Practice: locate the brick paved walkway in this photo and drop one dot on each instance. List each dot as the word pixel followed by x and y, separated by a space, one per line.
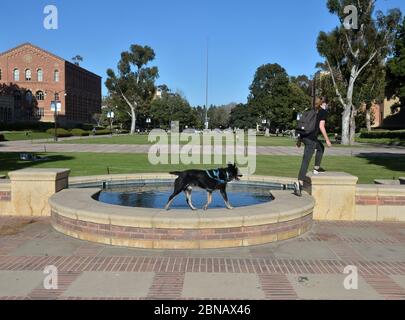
pixel 310 267
pixel 27 146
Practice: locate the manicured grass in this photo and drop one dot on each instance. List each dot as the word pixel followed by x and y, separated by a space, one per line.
pixel 25 135
pixel 366 168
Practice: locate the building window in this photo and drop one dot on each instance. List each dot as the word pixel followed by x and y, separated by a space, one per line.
pixel 28 75
pixel 40 95
pixel 16 75
pixel 40 112
pixel 0 74
pixel 56 76
pixel 28 96
pixel 56 96
pixel 40 75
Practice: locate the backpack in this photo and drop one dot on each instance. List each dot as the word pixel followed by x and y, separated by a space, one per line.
pixel 307 123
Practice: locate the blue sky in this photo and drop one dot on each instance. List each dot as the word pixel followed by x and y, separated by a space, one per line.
pixel 243 34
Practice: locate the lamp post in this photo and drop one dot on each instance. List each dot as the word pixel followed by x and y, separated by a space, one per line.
pixel 56 105
pixel 110 116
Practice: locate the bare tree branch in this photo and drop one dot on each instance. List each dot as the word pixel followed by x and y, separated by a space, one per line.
pixel 335 84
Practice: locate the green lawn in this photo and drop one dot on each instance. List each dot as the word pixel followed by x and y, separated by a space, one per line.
pixel 25 135
pixel 367 168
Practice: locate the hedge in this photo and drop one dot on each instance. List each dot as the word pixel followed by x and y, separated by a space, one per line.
pixel 61 133
pixel 400 134
pixel 102 132
pixel 79 133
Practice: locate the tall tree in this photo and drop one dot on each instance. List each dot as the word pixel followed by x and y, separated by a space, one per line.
pixel 172 107
pixel 276 97
pixel 269 92
pixel 242 117
pixel 134 83
pixel 396 68
pixel 350 49
pixel 371 90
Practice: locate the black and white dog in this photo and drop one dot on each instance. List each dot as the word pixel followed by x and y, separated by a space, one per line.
pixel 209 180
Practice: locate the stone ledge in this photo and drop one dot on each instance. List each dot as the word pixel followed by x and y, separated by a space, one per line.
pixel 380 190
pixel 165 176
pixel 332 178
pixel 31 174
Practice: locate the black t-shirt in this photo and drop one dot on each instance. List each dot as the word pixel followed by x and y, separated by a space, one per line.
pixel 321 116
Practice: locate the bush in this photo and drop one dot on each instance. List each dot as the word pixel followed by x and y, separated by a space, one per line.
pixel 86 126
pixel 79 133
pixel 400 134
pixel 102 132
pixel 61 133
pixel 2 138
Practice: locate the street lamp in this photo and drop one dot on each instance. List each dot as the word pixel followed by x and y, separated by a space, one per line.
pixel 55 105
pixel 110 116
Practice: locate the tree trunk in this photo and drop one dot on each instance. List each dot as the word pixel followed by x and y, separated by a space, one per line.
pixel 347 120
pixel 346 125
pixel 353 125
pixel 368 119
pixel 133 120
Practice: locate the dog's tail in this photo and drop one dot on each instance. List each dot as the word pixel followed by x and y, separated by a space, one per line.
pixel 176 173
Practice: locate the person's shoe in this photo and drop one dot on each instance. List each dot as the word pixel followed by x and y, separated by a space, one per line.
pixel 298 189
pixel 319 170
pixel 298 144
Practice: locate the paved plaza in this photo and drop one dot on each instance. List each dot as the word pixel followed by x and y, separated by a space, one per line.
pixel 309 267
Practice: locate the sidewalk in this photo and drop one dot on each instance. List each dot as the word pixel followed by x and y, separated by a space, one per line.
pixel 310 267
pixel 27 146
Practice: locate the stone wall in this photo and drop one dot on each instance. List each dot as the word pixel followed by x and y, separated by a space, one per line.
pixel 339 198
pixel 380 203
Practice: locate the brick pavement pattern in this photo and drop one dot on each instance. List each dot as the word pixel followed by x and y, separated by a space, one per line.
pixel 309 267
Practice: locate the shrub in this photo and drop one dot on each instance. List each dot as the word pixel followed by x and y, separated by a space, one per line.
pixel 2 138
pixel 61 133
pixel 79 133
pixel 400 134
pixel 86 126
pixel 103 132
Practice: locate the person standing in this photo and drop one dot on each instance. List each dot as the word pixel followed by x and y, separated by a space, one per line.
pixel 312 144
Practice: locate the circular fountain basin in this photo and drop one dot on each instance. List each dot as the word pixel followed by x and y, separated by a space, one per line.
pixel 152 194
pixel 130 214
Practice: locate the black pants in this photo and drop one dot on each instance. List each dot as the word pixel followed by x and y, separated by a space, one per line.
pixel 310 147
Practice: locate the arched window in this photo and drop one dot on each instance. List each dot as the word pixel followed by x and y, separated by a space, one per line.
pixel 56 75
pixel 28 75
pixel 17 95
pixel 40 75
pixel 16 75
pixel 28 96
pixel 40 95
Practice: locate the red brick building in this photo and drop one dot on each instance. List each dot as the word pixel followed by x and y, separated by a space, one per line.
pixel 35 78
